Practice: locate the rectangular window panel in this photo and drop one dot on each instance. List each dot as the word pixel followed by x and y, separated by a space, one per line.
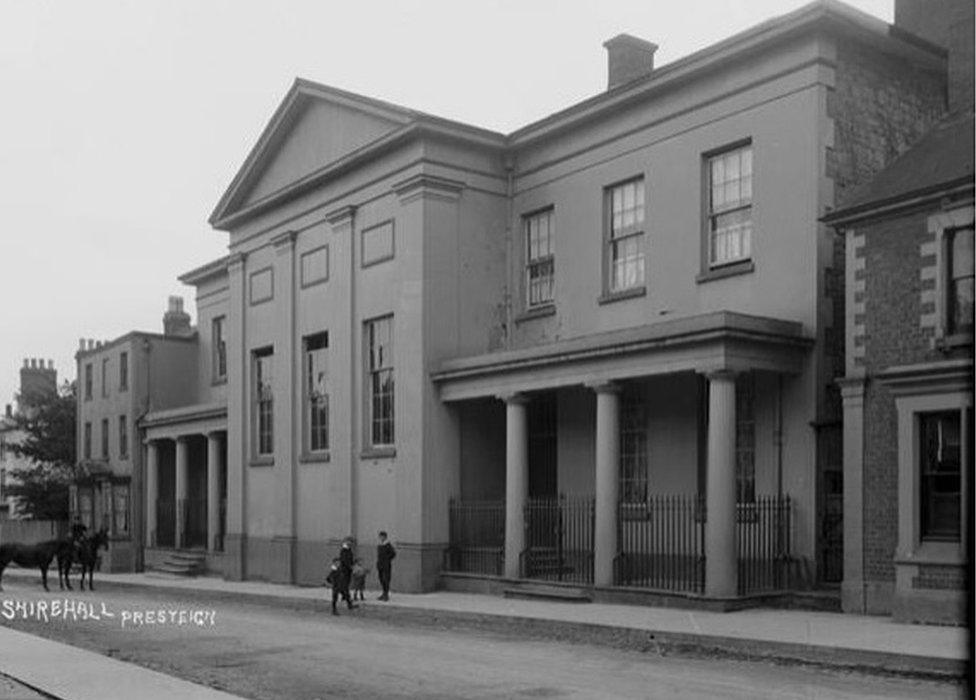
pixel 104 438
pixel 123 437
pixel 317 392
pixel 262 285
pixel 105 377
pixel 315 266
pixel 961 281
pixel 379 344
pixel 540 262
pixel 940 454
pixel 123 371
pixel 88 441
pixel 219 349
pixel 626 235
pixel 730 206
pixel 88 381
pixel 264 402
pixel 745 438
pixel 633 448
pixel 120 508
pixel 377 243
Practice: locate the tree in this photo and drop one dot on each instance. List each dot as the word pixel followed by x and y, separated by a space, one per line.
pixel 47 423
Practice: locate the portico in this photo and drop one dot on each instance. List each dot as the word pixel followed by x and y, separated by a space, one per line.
pixel 596 378
pixel 186 477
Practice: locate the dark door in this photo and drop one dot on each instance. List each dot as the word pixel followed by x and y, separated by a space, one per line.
pixel 830 543
pixel 542 446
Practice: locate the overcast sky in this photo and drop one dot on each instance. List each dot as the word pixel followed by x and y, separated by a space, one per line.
pixel 123 122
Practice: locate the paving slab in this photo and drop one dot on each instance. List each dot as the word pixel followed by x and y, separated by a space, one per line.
pixel 69 673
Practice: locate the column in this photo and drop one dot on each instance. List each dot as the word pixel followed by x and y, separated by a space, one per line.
pixel 213 490
pixel 516 480
pixel 182 465
pixel 721 556
pixel 152 485
pixel 607 482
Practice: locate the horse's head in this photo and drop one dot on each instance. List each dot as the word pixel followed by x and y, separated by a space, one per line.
pixel 100 539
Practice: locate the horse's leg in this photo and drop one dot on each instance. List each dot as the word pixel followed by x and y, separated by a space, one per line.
pixel 44 575
pixel 81 581
pixel 3 565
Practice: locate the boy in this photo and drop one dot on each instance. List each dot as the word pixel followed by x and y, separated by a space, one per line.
pixel 359 573
pixel 338 578
pixel 384 558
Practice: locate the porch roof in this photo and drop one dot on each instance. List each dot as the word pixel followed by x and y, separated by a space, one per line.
pixel 195 419
pixel 722 340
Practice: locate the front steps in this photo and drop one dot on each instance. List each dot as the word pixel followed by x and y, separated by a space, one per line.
pixel 544 591
pixel 182 562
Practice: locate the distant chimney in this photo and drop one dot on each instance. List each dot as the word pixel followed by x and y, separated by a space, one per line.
pixel 37 382
pixel 10 411
pixel 628 58
pixel 176 321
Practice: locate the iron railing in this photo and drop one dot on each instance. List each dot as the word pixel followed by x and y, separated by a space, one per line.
pixel 221 526
pixel 764 533
pixel 662 544
pixel 193 514
pixel 559 539
pixel 477 537
pixel 165 523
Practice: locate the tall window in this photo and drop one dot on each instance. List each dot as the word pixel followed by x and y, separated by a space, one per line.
pixel 625 239
pixel 120 508
pixel 745 438
pixel 123 371
pixel 379 343
pixel 105 377
pixel 633 448
pixel 960 281
pixel 219 349
pixel 539 261
pixel 940 453
pixel 316 392
pixel 88 381
pixel 123 437
pixel 88 440
pixel 264 402
pixel 730 206
pixel 104 438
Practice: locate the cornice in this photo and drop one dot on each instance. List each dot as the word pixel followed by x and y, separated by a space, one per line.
pixel 284 240
pixel 424 185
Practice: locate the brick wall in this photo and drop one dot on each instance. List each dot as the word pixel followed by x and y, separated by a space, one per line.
pixel 880 105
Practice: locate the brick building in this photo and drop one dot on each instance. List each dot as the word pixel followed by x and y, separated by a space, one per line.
pixel 908 394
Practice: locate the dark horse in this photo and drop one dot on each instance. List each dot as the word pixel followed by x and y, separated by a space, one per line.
pixel 87 553
pixel 39 555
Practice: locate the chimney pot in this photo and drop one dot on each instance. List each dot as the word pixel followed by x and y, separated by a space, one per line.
pixel 628 58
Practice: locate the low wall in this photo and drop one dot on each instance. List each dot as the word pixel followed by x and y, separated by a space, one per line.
pixel 32 531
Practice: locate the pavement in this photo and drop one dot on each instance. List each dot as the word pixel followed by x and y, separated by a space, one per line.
pixel 871 644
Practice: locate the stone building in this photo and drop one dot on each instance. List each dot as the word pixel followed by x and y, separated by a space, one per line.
pixel 137 385
pixel 529 355
pixel 908 384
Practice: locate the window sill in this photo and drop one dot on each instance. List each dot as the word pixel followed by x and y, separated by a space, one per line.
pixel 261 462
pixel 933 552
pixel 632 293
pixel 534 312
pixel 742 267
pixel 378 453
pixel 947 342
pixel 218 381
pixel 313 457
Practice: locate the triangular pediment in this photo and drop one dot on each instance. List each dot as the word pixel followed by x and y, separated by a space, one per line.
pixel 315 126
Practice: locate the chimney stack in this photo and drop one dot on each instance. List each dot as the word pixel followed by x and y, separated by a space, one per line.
pixel 176 321
pixel 10 411
pixel 38 380
pixel 628 58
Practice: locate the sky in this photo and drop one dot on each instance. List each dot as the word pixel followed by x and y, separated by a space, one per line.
pixel 122 122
